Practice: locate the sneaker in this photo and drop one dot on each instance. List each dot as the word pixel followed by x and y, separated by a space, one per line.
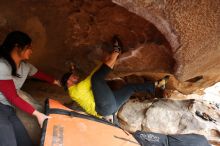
pixel 117 44
pixel 162 82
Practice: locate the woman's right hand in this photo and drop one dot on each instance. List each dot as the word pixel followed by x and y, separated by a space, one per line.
pixel 57 82
pixel 40 117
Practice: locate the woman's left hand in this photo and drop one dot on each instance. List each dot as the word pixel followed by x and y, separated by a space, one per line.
pixel 57 82
pixel 40 117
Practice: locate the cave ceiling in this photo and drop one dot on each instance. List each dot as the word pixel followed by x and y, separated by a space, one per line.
pixel 160 37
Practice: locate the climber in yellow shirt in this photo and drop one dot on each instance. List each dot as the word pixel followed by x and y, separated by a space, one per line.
pixel 93 93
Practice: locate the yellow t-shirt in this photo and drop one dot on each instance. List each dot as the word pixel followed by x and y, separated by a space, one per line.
pixel 83 95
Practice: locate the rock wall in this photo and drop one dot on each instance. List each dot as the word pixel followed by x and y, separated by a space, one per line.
pixel 168 37
pixel 192 29
pixel 172 117
pixel 65 31
pixel 180 38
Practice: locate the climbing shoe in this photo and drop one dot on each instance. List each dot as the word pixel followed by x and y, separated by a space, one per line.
pixel 117 44
pixel 162 82
pixel 205 116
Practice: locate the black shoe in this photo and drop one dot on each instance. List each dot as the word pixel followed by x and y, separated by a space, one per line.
pixel 162 82
pixel 205 116
pixel 117 44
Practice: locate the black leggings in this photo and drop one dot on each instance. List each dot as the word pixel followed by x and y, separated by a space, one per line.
pixel 108 101
pixel 13 132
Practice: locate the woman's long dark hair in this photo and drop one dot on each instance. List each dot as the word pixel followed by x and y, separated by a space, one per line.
pixel 13 39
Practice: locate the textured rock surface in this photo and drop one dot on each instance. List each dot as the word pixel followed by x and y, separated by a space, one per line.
pixel 65 31
pixel 69 30
pixel 171 117
pixel 168 37
pixel 192 29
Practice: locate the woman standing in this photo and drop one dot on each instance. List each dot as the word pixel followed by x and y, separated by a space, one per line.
pixel 15 50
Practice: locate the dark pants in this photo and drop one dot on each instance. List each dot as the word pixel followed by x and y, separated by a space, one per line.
pixel 12 131
pixel 108 101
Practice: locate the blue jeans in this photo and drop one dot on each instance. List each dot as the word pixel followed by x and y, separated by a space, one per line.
pixel 13 132
pixel 108 101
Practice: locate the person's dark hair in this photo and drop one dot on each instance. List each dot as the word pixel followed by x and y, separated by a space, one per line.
pixel 13 39
pixel 64 79
pixel 73 70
